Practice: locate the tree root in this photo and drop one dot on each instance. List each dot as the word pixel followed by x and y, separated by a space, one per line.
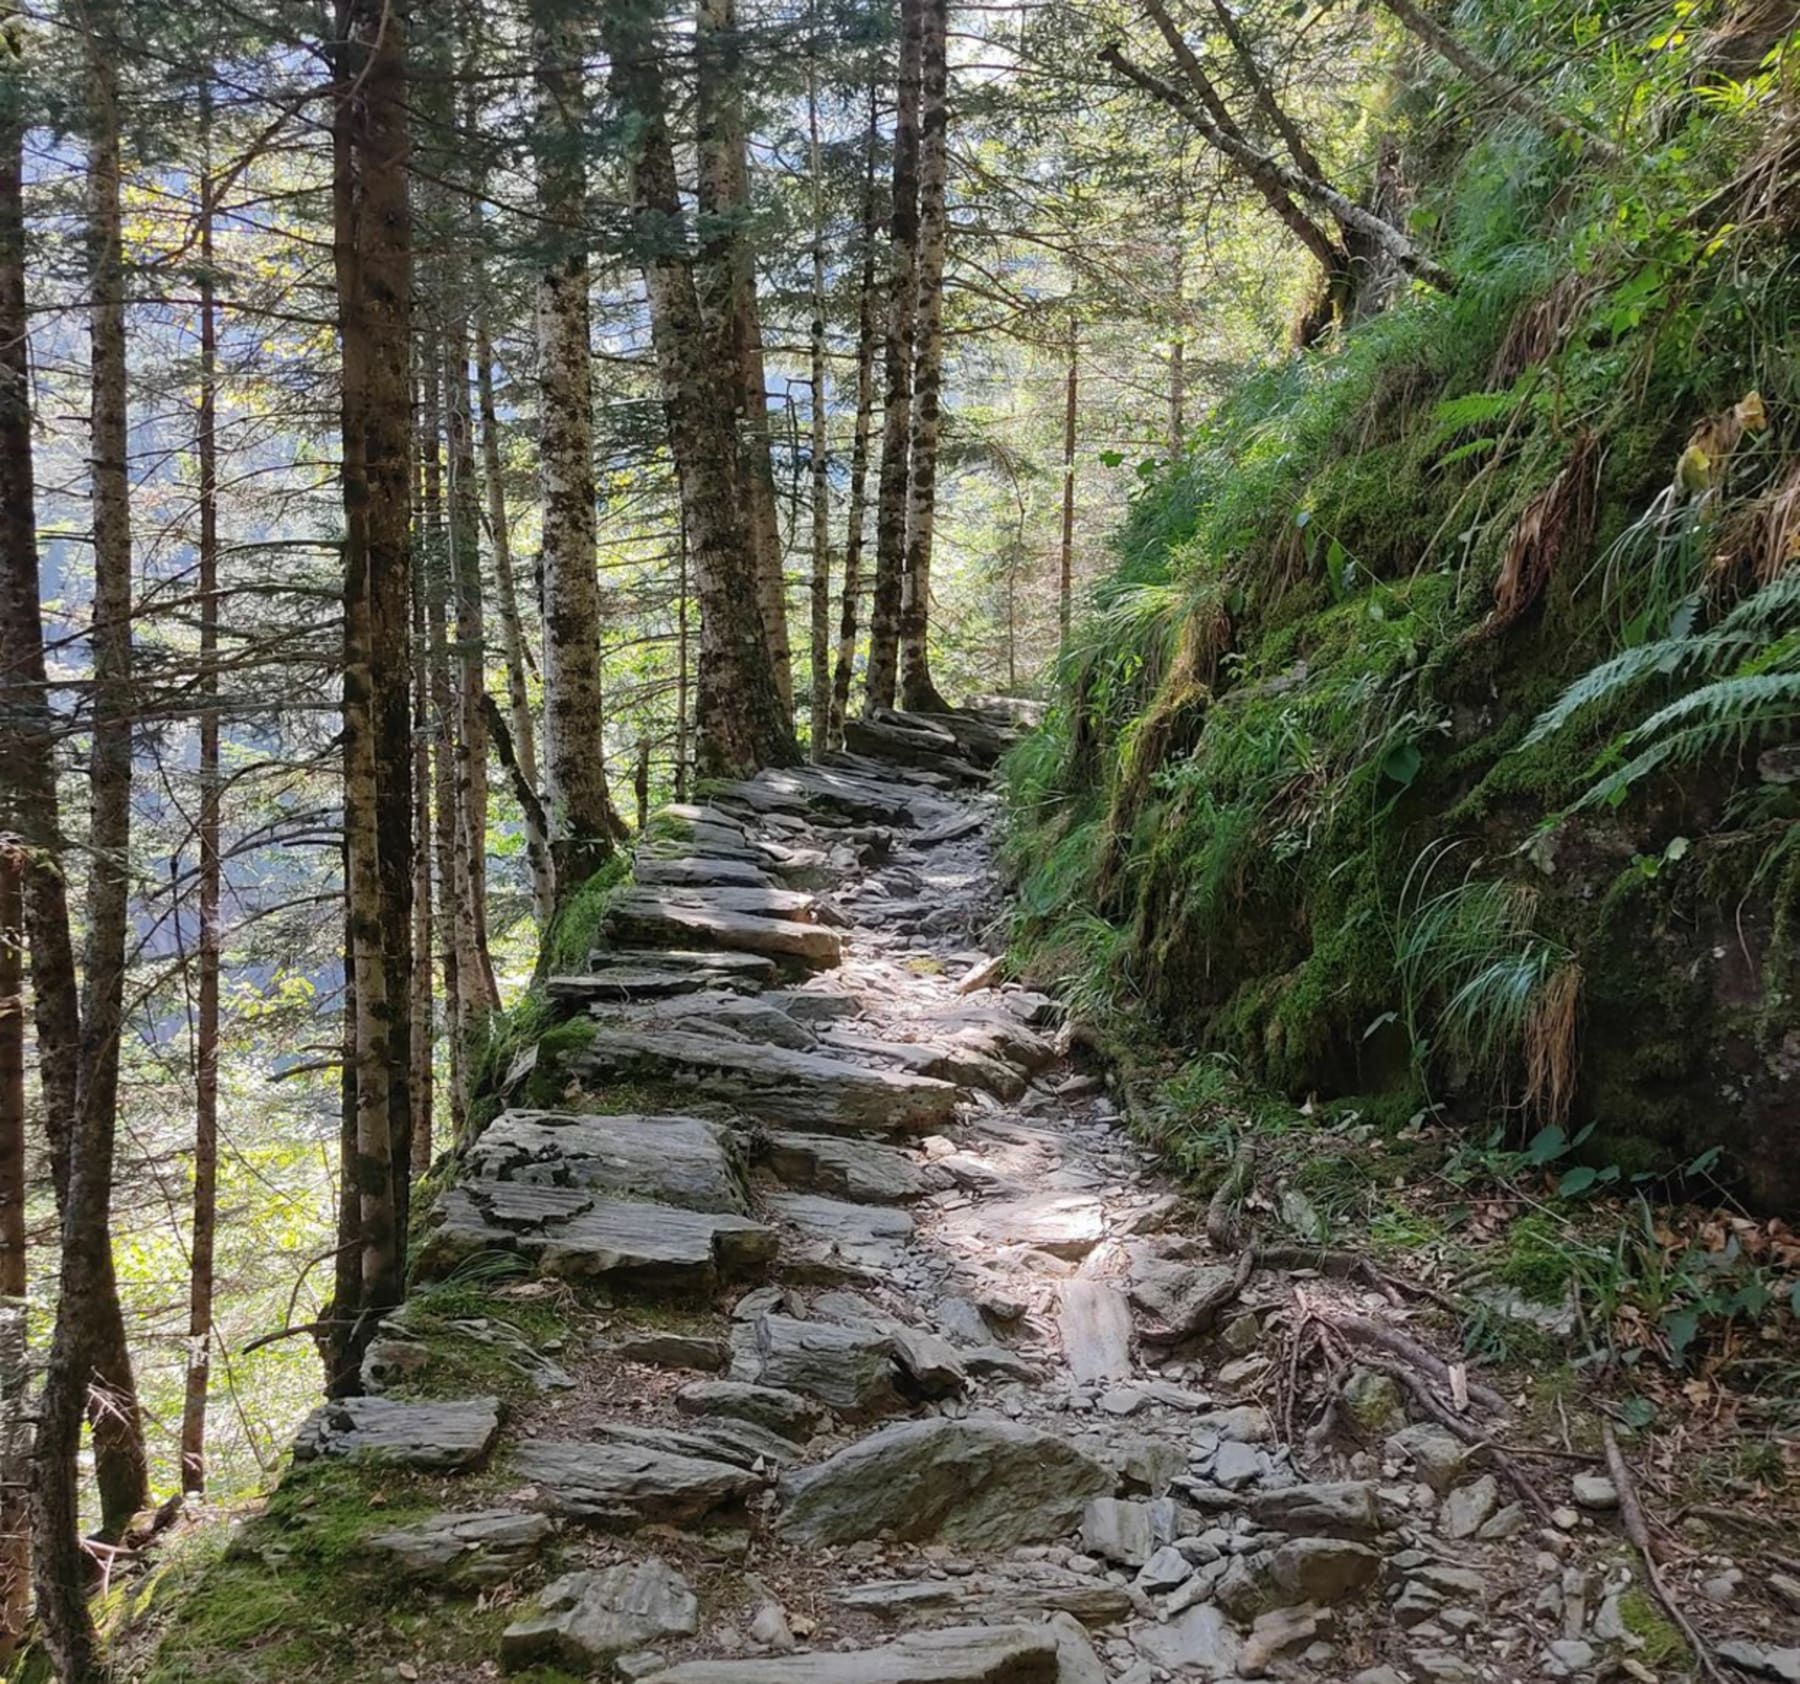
pixel 1361 1330
pixel 1637 1529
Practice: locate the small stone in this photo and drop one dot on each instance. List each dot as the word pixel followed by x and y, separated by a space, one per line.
pixel 640 1665
pixel 1243 1333
pixel 1782 1664
pixel 1570 1654
pixel 1236 1465
pixel 1379 1675
pixel 1117 1530
pixel 1723 1587
pixel 1165 1570
pixel 1374 1402
pixel 1787 1588
pixel 1468 1508
pixel 1566 1518
pixel 1276 1632
pixel 1594 1491
pixel 1439 1456
pixel 1324 1570
pixel 1507 1523
pixel 1442 1667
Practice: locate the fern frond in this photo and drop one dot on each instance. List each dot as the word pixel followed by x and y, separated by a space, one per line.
pixel 1670 656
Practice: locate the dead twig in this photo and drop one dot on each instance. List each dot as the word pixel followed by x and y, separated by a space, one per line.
pixel 1361 1330
pixel 1637 1529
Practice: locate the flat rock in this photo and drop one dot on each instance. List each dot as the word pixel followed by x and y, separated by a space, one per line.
pixel 792 1416
pixel 442 1437
pixel 1200 1639
pixel 1323 1570
pixel 829 1239
pixel 658 1349
pixel 463 1551
pixel 849 1369
pixel 1761 1661
pixel 698 870
pixel 611 1481
pixel 779 1083
pixel 587 1619
pixel 978 1483
pixel 679 1160
pixel 842 1166
pixel 994 1596
pixel 1331 1509
pixel 1095 1322
pixel 1067 1225
pixel 568 1232
pixel 742 920
pixel 956 1655
pixel 717 1011
pixel 1182 1299
pixel 1118 1530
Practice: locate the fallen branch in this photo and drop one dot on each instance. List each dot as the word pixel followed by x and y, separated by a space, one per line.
pixel 1637 1529
pixel 1362 1331
pixel 1221 1209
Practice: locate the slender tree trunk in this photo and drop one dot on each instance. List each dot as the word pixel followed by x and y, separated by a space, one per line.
pixel 15 1367
pixel 896 421
pixel 374 275
pixel 740 719
pixel 27 772
pixel 681 661
pixel 121 1471
pixel 820 641
pixel 206 1028
pixel 471 684
pixel 452 924
pixel 859 445
pixel 726 280
pixel 424 1071
pixel 1065 578
pixel 1280 183
pixel 917 691
pixel 512 630
pixel 575 765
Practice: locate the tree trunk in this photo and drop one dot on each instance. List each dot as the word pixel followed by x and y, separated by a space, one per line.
pixel 682 662
pixel 726 280
pixel 574 758
pixel 1065 577
pixel 512 630
pixel 820 641
pixel 15 1367
pixel 373 251
pixel 740 720
pixel 206 1027
pixel 422 1005
pixel 120 1468
pixel 916 688
pixel 859 446
pixel 1282 183
pixel 896 421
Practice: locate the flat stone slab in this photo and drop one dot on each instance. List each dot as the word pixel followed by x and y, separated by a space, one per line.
pixel 977 1483
pixel 744 920
pixel 843 1167
pixel 829 1239
pixel 443 1437
pixel 587 1619
pixel 956 1655
pixel 1095 1321
pixel 794 1417
pixel 463 1551
pixel 1067 1225
pixel 698 870
pixel 778 1083
pixel 614 1482
pixel 569 1232
pixel 718 1012
pixel 684 1161
pixel 997 1596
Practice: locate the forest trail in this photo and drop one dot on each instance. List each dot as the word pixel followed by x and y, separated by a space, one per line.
pixel 913 1368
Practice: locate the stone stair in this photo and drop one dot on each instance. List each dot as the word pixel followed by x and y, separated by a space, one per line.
pixel 961 1421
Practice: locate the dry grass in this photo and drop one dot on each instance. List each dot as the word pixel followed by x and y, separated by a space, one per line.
pixel 1559 520
pixel 1552 1052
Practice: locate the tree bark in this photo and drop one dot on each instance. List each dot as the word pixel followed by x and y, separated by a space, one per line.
pixel 917 691
pixel 859 446
pixel 206 1027
pixel 740 720
pixel 574 759
pixel 15 1367
pixel 121 1471
pixel 373 250
pixel 896 421
pixel 1270 174
pixel 1065 576
pixel 726 280
pixel 819 644
pixel 512 630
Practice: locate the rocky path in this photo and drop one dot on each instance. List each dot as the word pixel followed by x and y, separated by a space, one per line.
pixel 910 1366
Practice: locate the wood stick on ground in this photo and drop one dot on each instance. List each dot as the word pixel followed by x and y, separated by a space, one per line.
pixel 1362 1330
pixel 1637 1529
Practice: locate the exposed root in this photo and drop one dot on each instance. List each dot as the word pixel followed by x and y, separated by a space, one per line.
pixel 1637 1529
pixel 1360 1330
pixel 1222 1227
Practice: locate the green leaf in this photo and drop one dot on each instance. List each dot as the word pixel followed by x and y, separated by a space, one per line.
pixel 1681 1327
pixel 1577 1180
pixel 1547 1145
pixel 1401 764
pixel 1112 458
pixel 1636 1411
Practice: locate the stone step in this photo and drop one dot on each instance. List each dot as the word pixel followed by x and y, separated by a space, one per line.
pixel 703 870
pixel 448 1437
pixel 956 1655
pixel 771 922
pixel 832 1240
pixel 610 1481
pixel 735 1017
pixel 569 1232
pixel 904 739
pixel 846 1168
pixel 783 1085
pixel 684 1161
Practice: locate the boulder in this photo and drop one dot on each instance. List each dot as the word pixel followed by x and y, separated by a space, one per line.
pixel 978 1483
pixel 1199 1642
pixel 1181 1299
pixel 849 1369
pixel 842 1166
pixel 1340 1509
pixel 787 1413
pixel 679 1160
pixel 1323 1570
pixel 828 1240
pixel 585 1620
